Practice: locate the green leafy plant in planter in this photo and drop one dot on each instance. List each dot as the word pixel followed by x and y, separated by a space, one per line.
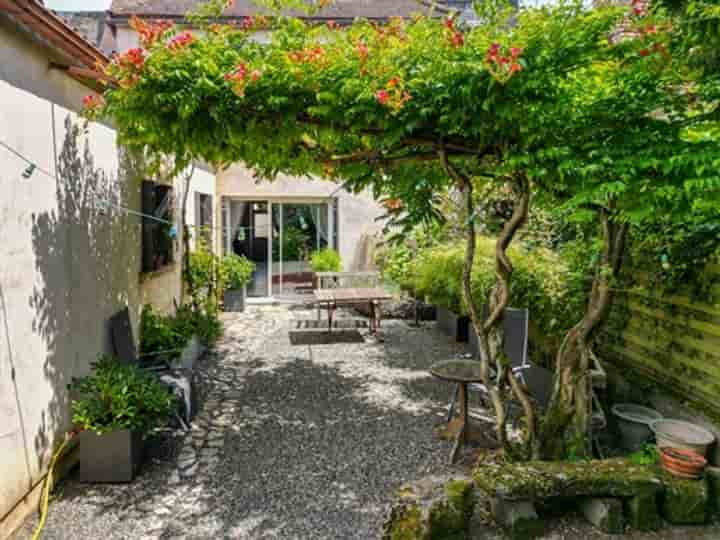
pixel 201 273
pixel 161 333
pixel 116 406
pixel 324 260
pixel 235 272
pixel 647 455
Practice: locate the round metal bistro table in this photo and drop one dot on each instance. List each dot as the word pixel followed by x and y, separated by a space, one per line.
pixel 462 372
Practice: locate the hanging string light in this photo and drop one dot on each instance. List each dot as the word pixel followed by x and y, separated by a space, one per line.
pixel 101 204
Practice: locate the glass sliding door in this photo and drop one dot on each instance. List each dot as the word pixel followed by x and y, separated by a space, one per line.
pixel 300 229
pixel 247 231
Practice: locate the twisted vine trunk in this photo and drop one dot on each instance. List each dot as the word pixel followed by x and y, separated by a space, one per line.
pixel 489 331
pixel 567 421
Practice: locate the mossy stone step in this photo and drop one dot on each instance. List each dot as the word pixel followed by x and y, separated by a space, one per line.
pixel 435 508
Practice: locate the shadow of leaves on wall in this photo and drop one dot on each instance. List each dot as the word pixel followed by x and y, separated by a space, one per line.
pixel 87 264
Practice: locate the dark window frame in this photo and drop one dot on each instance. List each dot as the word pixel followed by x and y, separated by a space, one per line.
pixel 158 242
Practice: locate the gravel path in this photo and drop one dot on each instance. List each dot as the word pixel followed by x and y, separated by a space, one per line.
pixel 291 441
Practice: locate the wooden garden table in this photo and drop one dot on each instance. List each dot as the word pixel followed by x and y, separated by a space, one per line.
pixel 332 298
pixel 462 372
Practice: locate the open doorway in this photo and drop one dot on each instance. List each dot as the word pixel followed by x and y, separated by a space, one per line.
pixel 279 236
pixel 247 232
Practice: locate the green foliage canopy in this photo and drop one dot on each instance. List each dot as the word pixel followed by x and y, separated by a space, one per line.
pixel 371 105
pixel 594 103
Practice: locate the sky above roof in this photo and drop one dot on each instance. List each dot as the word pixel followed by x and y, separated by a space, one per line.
pixel 78 5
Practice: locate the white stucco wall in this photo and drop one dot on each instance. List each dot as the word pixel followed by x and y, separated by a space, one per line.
pixel 203 181
pixel 356 213
pixel 65 267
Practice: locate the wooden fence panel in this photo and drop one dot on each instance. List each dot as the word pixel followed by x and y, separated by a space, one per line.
pixel 674 339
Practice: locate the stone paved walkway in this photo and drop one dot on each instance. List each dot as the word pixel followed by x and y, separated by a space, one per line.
pixel 291 441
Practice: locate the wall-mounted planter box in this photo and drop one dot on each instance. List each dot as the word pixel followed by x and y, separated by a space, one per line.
pixel 234 300
pixel 450 324
pixel 112 457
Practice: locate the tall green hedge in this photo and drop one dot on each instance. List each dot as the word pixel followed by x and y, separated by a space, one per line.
pixel 542 282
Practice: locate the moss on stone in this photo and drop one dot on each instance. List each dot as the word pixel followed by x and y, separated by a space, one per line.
pixel 684 501
pixel 525 529
pixel 713 479
pixel 432 510
pixel 642 511
pixel 448 519
pixel 544 479
pixel 406 524
pixel 461 495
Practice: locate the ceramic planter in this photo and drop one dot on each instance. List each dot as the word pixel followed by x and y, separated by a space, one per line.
pixel 685 435
pixel 683 463
pixel 234 300
pixel 450 324
pixel 112 457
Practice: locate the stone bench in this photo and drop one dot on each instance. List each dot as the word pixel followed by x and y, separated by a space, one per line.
pixel 609 493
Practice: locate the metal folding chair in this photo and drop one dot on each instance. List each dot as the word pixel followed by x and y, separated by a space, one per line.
pixel 515 345
pixel 177 380
pixel 538 380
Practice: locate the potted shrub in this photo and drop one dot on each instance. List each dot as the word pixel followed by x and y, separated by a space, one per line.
pixel 324 260
pixel 235 271
pixel 116 406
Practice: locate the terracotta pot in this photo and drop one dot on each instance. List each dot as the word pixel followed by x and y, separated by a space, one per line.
pixel 682 462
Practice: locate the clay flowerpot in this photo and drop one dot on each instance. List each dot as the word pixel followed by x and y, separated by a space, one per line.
pixel 682 463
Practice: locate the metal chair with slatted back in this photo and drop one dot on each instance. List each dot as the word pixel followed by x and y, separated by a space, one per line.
pixel 124 350
pixel 537 379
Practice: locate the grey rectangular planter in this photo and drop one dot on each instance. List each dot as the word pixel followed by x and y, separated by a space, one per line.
pixel 450 324
pixel 234 300
pixel 111 457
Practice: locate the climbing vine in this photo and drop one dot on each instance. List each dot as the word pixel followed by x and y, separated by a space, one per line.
pixel 583 109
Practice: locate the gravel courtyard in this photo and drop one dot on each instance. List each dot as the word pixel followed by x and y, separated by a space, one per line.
pixel 290 442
